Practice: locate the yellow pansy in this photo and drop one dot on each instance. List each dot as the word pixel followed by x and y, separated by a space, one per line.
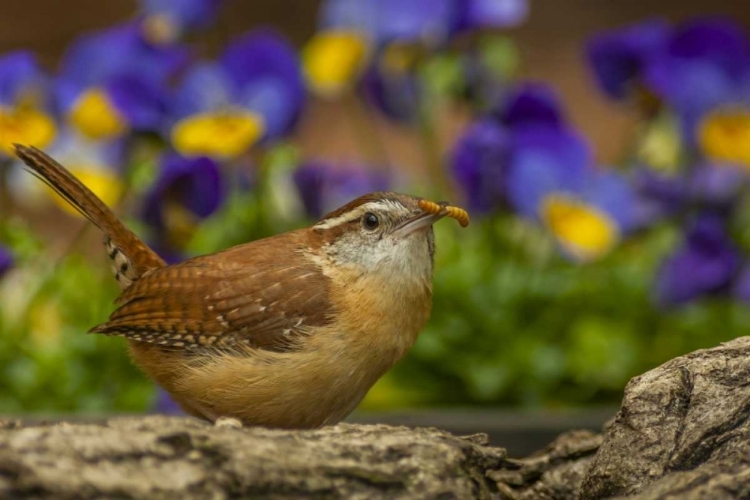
pixel 223 134
pixel 25 126
pixel 96 117
pixel 582 230
pixel 333 59
pixel 724 135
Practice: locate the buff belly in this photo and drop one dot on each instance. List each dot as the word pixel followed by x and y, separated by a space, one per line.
pixel 285 390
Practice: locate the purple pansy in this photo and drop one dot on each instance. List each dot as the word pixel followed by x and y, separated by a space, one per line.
pixel 266 71
pixel 531 103
pixel 395 89
pixel 658 195
pixel 20 77
pixel 259 72
pixel 524 136
pixel 704 64
pixel 717 187
pixel 545 168
pixel 6 260
pixel 478 14
pixel 741 287
pixel 526 156
pixel 132 72
pixel 205 87
pixel 95 57
pixel 324 187
pixel 693 67
pixel 479 164
pixel 430 22
pixel 183 14
pixel 386 21
pixel 619 58
pixel 394 93
pixel 706 263
pixel 708 186
pixel 193 183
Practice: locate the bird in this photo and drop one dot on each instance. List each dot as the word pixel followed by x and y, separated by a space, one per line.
pixel 289 331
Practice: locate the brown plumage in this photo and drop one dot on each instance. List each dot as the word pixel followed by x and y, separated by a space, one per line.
pixel 89 205
pixel 288 331
pixel 246 297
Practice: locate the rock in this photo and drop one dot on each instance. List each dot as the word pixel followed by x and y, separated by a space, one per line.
pixel 682 431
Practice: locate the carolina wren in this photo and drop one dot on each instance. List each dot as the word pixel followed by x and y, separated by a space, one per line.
pixel 289 331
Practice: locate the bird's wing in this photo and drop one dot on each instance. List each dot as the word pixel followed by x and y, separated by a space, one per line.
pixel 220 301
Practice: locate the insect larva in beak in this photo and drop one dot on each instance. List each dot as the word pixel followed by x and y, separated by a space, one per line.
pixel 457 213
pixel 461 215
pixel 430 206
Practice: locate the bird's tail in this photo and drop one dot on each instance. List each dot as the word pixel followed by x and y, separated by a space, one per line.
pixel 130 256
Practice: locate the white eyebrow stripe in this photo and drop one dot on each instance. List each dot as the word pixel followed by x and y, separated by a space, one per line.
pixel 356 213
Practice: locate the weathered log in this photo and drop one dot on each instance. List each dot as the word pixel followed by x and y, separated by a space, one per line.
pixel 171 457
pixel 682 431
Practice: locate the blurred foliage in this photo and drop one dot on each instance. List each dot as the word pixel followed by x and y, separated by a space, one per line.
pixel 514 323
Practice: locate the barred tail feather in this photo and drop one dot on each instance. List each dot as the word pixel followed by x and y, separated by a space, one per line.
pixel 90 206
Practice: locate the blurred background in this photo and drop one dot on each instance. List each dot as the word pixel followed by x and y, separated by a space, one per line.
pixel 602 150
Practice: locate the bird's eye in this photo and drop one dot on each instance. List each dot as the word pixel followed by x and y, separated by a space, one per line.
pixel 370 221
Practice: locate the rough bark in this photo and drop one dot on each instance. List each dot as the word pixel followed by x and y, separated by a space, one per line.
pixel 170 457
pixel 682 432
pixel 555 473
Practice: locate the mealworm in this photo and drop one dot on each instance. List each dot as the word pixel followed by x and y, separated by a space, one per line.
pixel 450 211
pixel 430 206
pixel 461 215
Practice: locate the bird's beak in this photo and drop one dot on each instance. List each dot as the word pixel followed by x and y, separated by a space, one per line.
pixel 420 221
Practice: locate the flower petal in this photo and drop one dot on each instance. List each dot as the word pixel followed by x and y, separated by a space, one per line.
pixel 706 263
pixel 193 183
pixel 264 66
pixel 6 260
pixel 532 103
pixel 479 164
pixel 25 126
pixel 717 186
pixel 206 87
pixel 619 57
pixel 582 230
pixel 20 79
pixel 477 14
pixel 324 187
pixel 183 13
pixel 225 134
pixel 333 59
pixel 121 49
pixel 545 159
pixel 386 21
